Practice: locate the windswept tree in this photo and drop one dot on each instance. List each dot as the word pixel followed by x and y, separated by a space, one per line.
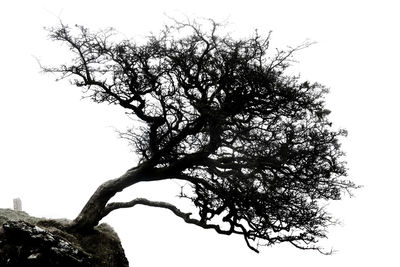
pixel 253 142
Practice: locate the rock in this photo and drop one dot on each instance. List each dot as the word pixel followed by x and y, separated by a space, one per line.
pixel 29 245
pixel 42 242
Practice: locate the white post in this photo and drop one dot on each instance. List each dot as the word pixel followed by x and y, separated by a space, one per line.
pixel 17 204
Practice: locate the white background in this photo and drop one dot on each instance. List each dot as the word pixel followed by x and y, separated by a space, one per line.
pixel 55 148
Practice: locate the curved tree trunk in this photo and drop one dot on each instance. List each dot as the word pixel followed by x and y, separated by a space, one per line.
pixel 94 209
pixel 92 212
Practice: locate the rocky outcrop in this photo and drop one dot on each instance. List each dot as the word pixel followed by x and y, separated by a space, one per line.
pixel 30 241
pixel 25 244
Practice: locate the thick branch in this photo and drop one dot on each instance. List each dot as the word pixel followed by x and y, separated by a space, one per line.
pixel 185 216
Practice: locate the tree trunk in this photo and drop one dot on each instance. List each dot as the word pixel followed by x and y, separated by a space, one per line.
pixel 93 211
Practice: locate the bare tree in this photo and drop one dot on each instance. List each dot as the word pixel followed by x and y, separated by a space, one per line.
pixel 222 114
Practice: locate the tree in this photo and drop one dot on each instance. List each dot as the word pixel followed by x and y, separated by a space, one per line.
pixel 220 113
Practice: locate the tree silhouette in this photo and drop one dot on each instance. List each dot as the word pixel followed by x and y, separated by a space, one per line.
pixel 220 113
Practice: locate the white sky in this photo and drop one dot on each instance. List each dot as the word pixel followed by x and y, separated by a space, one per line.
pixel 55 148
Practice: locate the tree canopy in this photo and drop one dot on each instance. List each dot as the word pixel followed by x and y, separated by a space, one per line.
pixel 223 114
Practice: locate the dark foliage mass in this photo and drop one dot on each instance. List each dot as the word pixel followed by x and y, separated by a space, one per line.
pixel 254 142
